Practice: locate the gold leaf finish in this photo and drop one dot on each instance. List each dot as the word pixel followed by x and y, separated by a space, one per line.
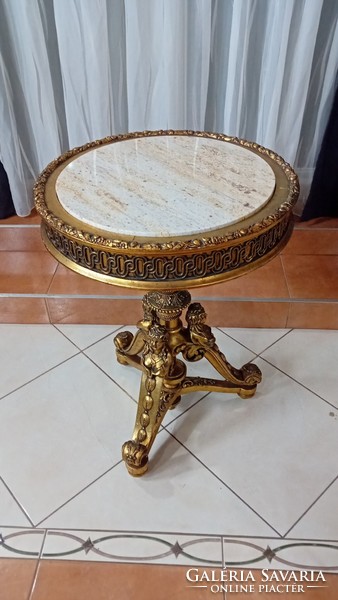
pixel 182 261
pixel 164 377
pixel 167 267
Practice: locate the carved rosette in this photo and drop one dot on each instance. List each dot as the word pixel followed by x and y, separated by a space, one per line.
pixel 178 262
pixel 252 375
pixel 135 455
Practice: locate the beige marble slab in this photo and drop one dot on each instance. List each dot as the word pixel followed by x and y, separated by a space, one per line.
pixel 165 186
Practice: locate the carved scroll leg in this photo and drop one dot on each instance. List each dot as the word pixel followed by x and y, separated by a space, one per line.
pixel 157 395
pixel 202 342
pixel 246 378
pixel 128 347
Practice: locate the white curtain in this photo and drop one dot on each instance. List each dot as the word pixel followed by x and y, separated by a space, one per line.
pixel 76 70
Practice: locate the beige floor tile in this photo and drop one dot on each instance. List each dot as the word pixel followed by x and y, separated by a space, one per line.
pixel 273 462
pixel 11 513
pixel 310 357
pixel 178 494
pixel 256 340
pixel 28 351
pixel 60 432
pixel 86 335
pixel 321 521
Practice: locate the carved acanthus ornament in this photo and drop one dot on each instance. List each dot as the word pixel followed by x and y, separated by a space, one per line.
pixel 165 266
pixel 161 337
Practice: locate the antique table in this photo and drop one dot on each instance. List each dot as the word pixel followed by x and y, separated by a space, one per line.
pixel 163 211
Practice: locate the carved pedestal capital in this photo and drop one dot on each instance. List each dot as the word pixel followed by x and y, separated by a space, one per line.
pixel 167 305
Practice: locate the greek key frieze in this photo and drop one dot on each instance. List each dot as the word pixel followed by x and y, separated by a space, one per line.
pixel 163 268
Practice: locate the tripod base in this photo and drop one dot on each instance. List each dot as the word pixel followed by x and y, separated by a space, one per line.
pixel 161 337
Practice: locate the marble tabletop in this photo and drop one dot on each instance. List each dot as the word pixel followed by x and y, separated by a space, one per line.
pixel 165 186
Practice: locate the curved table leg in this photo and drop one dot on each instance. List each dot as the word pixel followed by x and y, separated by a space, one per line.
pixel 242 381
pixel 161 384
pixel 156 398
pixel 154 349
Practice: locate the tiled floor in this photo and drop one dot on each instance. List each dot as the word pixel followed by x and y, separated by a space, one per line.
pixel 250 484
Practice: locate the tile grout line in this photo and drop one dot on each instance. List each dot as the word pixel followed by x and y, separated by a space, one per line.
pixel 66 360
pixel 129 395
pixel 223 562
pixel 287 316
pixel 35 577
pixel 173 533
pixel 222 551
pixel 19 226
pixel 109 376
pixel 118 327
pixel 311 505
pixel 207 394
pixel 37 525
pixel 192 454
pixel 225 485
pixel 22 509
pixel 257 354
pixel 220 328
pixel 285 277
pixel 67 338
pixel 299 382
pixel 288 288
pixel 275 342
pixel 52 279
pixel 223 299
pixel 47 310
pixel 40 375
pixel 185 411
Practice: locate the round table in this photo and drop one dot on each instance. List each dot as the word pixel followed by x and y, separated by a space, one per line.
pixel 164 211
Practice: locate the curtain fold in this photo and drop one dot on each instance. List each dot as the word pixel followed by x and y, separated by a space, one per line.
pixel 76 70
pixel 323 197
pixel 6 202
